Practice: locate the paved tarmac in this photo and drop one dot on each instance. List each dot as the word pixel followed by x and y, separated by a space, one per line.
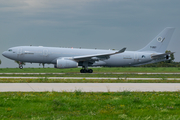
pixel 88 87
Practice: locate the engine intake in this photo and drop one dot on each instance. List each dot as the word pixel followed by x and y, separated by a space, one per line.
pixel 61 63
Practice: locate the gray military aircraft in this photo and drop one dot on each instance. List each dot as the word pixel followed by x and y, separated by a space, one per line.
pixel 73 57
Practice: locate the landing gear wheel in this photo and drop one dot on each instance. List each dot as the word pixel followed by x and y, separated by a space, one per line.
pixel 86 71
pixel 90 71
pixel 82 70
pixel 21 67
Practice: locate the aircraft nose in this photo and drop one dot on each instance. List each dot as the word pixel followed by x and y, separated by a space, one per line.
pixel 4 53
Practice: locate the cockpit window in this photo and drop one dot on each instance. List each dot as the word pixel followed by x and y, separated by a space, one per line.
pixel 10 50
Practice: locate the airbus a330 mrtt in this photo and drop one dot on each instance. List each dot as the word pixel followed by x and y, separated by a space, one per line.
pixel 73 57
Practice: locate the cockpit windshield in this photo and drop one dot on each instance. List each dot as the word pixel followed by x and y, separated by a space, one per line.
pixel 10 50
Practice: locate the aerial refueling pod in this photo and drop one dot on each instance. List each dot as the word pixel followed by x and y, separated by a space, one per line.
pixel 63 63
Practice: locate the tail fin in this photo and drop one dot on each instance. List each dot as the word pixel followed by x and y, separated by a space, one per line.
pixel 160 42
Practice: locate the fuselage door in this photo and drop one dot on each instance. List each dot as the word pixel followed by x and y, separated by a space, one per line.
pixel 20 54
pixel 45 55
pixel 136 58
pixel 45 52
pixel 20 51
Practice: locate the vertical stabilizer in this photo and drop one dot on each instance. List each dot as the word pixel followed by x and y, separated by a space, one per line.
pixel 160 42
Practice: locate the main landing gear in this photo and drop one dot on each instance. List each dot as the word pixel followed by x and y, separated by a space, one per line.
pixel 86 70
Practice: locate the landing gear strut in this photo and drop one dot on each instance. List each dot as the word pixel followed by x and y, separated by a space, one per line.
pixel 86 70
pixel 20 65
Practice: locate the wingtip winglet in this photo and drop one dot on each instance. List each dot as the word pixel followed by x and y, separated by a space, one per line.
pixel 122 50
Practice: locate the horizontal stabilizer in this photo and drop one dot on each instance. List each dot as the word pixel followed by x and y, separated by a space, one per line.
pixel 161 55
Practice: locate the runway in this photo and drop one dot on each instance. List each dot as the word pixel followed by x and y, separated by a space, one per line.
pixel 88 87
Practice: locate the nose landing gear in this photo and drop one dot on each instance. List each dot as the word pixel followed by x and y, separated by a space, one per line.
pixel 20 65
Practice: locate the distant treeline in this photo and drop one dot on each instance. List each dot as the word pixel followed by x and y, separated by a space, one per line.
pixel 163 64
pixel 169 63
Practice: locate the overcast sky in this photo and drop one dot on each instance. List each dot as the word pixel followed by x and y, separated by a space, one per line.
pixel 103 24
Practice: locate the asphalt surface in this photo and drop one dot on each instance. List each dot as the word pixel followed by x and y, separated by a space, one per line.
pixel 88 87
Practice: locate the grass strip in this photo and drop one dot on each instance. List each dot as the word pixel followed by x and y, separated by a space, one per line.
pixel 80 105
pixel 96 70
pixel 46 80
pixel 96 75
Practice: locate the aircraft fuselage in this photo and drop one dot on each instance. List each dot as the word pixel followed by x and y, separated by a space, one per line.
pixel 33 54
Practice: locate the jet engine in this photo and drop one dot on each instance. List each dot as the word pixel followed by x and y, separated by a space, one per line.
pixel 63 63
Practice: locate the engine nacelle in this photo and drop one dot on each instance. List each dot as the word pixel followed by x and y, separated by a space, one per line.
pixel 61 63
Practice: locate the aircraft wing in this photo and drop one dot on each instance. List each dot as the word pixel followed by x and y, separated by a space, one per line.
pixel 96 57
pixel 161 55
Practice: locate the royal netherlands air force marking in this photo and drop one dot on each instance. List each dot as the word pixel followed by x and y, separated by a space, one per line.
pixel 160 39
